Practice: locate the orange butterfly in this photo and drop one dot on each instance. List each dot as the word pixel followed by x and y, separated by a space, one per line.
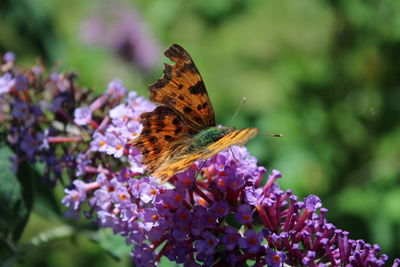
pixel 182 129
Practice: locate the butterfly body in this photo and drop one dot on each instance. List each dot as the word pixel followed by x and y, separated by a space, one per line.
pixel 207 137
pixel 182 129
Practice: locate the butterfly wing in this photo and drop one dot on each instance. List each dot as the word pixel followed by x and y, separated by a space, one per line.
pixel 180 161
pixel 163 131
pixel 182 89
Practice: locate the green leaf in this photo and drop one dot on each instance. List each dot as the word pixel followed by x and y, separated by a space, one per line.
pixel 15 199
pixel 45 202
pixel 114 244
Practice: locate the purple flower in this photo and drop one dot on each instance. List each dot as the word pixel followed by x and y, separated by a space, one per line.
pixel 57 103
pixel 207 245
pixel 60 81
pixel 312 203
pixel 21 82
pixel 244 214
pixel 30 145
pixel 6 83
pixel 115 146
pixel 220 209
pixel 253 195
pixel 230 238
pixel 82 161
pixel 82 116
pixel 235 181
pixel 125 34
pixel 20 110
pixel 75 197
pixel 9 57
pixel 275 174
pixel 139 104
pixel 147 191
pixel 144 256
pixel 151 218
pixel 277 258
pixel 98 143
pixel 116 89
pixel 251 241
pixel 182 217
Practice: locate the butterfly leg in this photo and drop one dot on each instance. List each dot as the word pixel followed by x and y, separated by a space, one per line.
pixel 233 154
pixel 200 169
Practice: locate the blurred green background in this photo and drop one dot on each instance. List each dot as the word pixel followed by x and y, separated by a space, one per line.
pixel 325 74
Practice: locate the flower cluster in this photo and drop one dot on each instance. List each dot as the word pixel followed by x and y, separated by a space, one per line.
pixel 121 29
pixel 47 118
pixel 225 218
pixel 34 110
pixel 221 212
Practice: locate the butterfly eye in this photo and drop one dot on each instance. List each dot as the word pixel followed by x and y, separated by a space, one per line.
pixel 229 130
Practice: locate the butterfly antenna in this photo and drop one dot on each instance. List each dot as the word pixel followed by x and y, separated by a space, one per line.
pixel 238 109
pixel 270 134
pixel 200 169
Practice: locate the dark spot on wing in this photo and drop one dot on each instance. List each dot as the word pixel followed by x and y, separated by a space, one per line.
pixel 169 100
pixel 199 107
pixel 178 130
pixel 180 86
pixel 175 121
pixel 190 67
pixel 145 132
pixel 160 126
pixel 205 105
pixel 168 138
pixel 181 97
pixel 198 89
pixel 153 139
pixel 187 110
pixel 146 123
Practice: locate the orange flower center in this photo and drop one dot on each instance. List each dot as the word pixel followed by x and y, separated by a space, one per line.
pixel 202 202
pixel 253 241
pixel 221 183
pixel 276 258
pixel 178 197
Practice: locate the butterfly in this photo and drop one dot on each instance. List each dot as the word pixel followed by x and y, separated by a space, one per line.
pixel 182 128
